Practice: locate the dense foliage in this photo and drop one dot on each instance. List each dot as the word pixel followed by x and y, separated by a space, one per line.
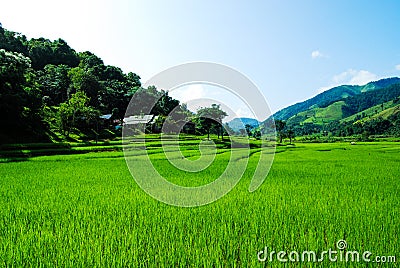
pixel 42 81
pixel 373 112
pixel 49 91
pixel 368 99
pixel 328 97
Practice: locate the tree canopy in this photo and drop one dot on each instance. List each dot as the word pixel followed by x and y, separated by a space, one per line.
pixel 211 117
pixel 48 91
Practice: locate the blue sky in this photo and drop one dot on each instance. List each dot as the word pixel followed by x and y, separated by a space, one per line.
pixel 290 49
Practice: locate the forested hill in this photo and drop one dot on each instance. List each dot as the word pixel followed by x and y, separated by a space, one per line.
pixel 239 123
pixel 39 77
pixel 49 91
pixel 373 112
pixel 330 96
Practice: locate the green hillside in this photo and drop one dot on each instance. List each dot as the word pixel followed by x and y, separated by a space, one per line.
pixel 372 112
pixel 386 114
pixel 334 112
pixel 319 116
pixel 381 110
pixel 375 114
pixel 354 108
pixel 239 123
pixel 332 95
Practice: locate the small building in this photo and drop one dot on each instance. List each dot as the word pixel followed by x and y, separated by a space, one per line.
pixel 105 116
pixel 140 119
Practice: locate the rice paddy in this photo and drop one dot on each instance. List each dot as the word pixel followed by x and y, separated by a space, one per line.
pixel 86 209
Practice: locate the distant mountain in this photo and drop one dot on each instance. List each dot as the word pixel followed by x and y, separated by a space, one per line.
pixel 384 111
pixel 348 106
pixel 239 123
pixel 332 95
pixel 357 111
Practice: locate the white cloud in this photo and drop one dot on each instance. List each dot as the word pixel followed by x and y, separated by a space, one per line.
pixel 204 95
pixel 355 77
pixel 397 67
pixel 244 111
pixel 196 96
pixel 317 54
pixel 351 77
pixel 188 93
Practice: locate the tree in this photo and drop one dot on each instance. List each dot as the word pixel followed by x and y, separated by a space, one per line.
pixel 207 117
pixel 43 52
pixel 248 129
pixel 165 104
pixel 179 120
pixel 290 134
pixel 257 134
pixel 76 110
pixel 152 101
pixel 13 97
pixel 228 130
pixel 87 82
pixel 54 83
pixel 40 79
pixel 280 127
pixel 63 54
pixel 114 96
pixel 13 42
pixel 89 61
pixel 20 99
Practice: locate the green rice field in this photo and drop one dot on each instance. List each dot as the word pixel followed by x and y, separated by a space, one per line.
pixel 86 210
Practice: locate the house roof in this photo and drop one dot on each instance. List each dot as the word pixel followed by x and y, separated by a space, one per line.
pixel 139 119
pixel 105 116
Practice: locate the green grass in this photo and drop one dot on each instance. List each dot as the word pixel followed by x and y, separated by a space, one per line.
pixel 389 108
pixel 85 210
pixel 319 115
pixel 385 114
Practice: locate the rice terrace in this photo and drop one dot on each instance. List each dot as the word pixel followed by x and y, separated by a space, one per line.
pixel 85 209
pixel 232 134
